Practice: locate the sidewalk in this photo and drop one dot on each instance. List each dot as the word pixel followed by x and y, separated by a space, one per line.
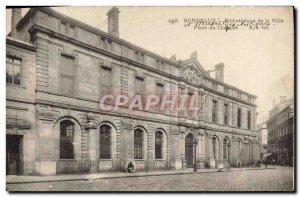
pixel 13 179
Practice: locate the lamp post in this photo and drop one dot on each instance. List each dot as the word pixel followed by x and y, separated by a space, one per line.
pixel 195 160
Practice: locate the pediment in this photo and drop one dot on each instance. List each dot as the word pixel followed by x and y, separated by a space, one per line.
pixel 192 71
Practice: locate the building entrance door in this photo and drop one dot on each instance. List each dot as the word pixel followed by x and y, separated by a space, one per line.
pixel 13 154
pixel 189 147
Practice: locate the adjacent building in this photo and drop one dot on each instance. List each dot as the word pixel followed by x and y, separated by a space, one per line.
pixel 262 135
pixel 57 70
pixel 281 132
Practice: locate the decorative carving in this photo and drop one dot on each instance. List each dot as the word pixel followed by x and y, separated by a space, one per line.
pixel 173 58
pixel 90 117
pixel 201 132
pixel 175 130
pixel 90 121
pixel 194 55
pixel 140 74
pixel 45 113
pixel 182 129
pixel 127 124
pixel 190 73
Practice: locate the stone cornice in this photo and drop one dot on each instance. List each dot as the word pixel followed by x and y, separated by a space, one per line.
pixel 89 28
pixel 20 44
pixel 11 125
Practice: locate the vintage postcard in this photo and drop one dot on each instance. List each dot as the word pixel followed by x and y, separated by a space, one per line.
pixel 159 99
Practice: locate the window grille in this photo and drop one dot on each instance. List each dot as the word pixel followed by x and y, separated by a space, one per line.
pixel 66 140
pixel 105 142
pixel 138 144
pixel 158 145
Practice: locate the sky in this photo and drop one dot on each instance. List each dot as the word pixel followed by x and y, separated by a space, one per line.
pixel 260 62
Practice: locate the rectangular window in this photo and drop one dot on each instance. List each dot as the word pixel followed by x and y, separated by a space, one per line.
pixel 109 45
pixel 160 65
pixel 215 86
pixel 67 75
pixel 137 56
pixel 202 101
pixel 214 112
pixel 249 120
pixel 63 28
pixel 13 71
pixel 72 31
pixel 189 100
pixel 142 58
pixel 239 95
pixel 225 90
pixel 105 81
pixel 103 43
pixel 226 114
pixel 239 114
pixel 159 91
pixel 139 85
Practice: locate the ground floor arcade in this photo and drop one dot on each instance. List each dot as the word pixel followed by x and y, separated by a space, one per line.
pixel 67 141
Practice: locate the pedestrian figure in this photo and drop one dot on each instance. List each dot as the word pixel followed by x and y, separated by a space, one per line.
pixel 130 167
pixel 220 167
pixel 258 163
pixel 228 166
pixel 266 163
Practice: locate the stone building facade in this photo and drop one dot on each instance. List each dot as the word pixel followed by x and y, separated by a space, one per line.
pixel 59 68
pixel 262 132
pixel 281 132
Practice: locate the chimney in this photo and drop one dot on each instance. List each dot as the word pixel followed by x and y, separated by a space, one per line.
pixel 282 99
pixel 219 68
pixel 113 21
pixel 15 18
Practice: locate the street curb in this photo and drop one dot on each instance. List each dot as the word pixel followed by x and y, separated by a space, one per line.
pixel 129 176
pixel 174 174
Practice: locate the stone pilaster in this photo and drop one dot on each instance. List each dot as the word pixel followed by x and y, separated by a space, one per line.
pixel 182 94
pixel 182 146
pixel 127 146
pixel 201 149
pixel 47 163
pixel 212 161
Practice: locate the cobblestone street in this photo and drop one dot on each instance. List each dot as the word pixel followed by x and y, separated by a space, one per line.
pixel 279 179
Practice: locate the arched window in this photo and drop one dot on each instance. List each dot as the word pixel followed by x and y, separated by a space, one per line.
pixel 105 142
pixel 158 145
pixel 66 139
pixel 138 144
pixel 189 150
pixel 226 149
